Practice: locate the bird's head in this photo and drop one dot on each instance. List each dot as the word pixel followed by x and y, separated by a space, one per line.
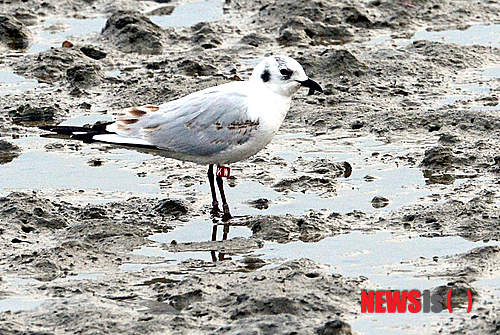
pixel 283 75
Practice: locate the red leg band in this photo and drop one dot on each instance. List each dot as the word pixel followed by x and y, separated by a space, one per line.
pixel 223 171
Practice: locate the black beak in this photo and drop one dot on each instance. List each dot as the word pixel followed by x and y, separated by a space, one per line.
pixel 313 86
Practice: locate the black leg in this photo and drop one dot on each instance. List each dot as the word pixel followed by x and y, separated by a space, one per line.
pixel 225 207
pixel 215 212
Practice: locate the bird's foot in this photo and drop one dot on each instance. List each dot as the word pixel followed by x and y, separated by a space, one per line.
pixel 215 212
pixel 226 216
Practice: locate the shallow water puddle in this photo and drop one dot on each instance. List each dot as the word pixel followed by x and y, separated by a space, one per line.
pixel 382 257
pixel 191 13
pixel 470 95
pixel 19 304
pixel 39 169
pixel 55 164
pixel 479 34
pixel 11 83
pixel 51 32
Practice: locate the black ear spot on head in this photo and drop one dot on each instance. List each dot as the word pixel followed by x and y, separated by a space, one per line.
pixel 266 75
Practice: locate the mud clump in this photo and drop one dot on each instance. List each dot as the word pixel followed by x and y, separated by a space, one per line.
pixel 13 33
pixel 206 35
pixel 254 39
pixel 305 183
pixel 84 76
pixel 311 227
pixel 21 209
pixel 447 55
pixel 29 114
pixel 303 30
pixel 196 68
pixel 171 207
pixel 31 222
pixel 301 298
pixel 53 65
pixel 474 220
pixel 337 327
pixel 243 306
pixel 439 157
pixel 442 165
pixel 334 62
pixel 132 31
pixel 8 152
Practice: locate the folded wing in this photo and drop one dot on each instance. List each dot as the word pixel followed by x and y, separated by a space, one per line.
pixel 203 123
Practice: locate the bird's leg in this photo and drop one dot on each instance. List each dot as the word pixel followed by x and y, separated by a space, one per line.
pixel 215 212
pixel 223 171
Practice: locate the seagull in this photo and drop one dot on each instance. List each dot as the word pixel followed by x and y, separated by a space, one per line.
pixel 216 126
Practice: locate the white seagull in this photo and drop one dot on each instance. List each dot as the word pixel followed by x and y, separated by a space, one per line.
pixel 218 126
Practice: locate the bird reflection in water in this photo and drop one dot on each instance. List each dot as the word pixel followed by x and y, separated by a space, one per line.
pixel 225 232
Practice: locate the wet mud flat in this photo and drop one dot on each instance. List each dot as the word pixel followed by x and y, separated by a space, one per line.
pixel 389 180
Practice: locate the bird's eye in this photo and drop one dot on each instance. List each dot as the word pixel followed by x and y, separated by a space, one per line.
pixel 286 72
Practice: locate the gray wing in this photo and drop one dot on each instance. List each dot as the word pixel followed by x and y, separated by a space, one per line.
pixel 200 124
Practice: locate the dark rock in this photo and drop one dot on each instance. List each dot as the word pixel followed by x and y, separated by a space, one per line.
pixel 261 203
pixel 131 31
pixel 252 263
pixel 379 202
pixel 434 127
pixel 93 52
pixel 14 33
pixel 157 65
pixel 162 11
pixel 409 217
pixel 357 125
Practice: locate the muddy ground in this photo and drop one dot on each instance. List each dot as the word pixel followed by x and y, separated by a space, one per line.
pixel 389 90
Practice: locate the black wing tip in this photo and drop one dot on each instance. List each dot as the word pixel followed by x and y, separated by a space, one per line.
pixel 84 133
